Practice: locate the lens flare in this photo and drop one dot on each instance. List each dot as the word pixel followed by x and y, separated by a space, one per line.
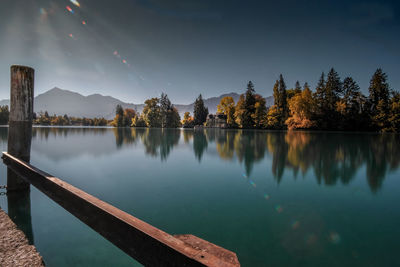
pixel 334 238
pixel 43 11
pixel 75 3
pixel 83 22
pixel 253 183
pixel 295 224
pixel 266 196
pixel 69 9
pixel 278 208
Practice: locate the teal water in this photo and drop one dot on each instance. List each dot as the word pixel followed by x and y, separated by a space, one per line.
pixel 274 198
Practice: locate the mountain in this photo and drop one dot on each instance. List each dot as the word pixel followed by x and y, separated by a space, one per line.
pixel 5 102
pixel 60 102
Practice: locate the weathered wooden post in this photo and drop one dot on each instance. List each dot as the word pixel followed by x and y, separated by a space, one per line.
pixel 20 121
pixel 19 145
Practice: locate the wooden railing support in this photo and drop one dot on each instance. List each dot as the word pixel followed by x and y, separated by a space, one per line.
pixel 20 121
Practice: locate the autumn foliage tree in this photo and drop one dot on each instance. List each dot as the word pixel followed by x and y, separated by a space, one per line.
pixel 301 108
pixel 188 121
pixel 227 107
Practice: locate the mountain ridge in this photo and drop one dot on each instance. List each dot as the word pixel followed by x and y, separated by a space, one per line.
pixel 60 101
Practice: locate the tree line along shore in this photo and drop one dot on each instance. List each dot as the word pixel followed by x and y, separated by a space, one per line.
pixel 334 104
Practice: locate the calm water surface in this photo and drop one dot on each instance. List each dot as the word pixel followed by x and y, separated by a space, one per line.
pixel 275 198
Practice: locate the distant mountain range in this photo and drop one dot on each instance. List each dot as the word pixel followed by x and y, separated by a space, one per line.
pixel 60 102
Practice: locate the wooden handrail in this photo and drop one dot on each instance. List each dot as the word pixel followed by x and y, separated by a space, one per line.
pixel 142 241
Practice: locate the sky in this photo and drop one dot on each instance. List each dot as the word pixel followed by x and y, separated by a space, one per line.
pixel 136 49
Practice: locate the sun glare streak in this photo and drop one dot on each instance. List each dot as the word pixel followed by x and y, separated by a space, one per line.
pixel 75 3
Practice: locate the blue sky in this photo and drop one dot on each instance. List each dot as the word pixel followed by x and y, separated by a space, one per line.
pixel 136 49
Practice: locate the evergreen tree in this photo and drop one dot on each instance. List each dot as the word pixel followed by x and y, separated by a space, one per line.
pixel 282 102
pixel 200 111
pixel 165 108
pixel 319 94
pixel 119 117
pixel 280 111
pixel 333 90
pixel 327 96
pixel 249 108
pixel 119 110
pixel 351 97
pixel 379 98
pixel 297 87
pixel 173 118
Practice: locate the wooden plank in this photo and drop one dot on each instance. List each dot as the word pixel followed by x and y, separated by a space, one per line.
pixel 145 243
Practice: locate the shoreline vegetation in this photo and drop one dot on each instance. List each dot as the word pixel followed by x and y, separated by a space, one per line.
pixel 334 105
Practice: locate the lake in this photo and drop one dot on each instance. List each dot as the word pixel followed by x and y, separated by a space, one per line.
pixel 274 198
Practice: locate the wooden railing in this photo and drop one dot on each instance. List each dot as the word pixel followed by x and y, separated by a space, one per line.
pixel 145 243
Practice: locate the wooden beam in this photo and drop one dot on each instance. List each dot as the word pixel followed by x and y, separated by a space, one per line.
pixel 145 243
pixel 20 121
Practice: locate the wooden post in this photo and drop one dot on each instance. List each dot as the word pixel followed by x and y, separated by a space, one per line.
pixel 20 121
pixel 19 145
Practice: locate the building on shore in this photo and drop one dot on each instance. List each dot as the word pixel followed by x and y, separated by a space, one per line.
pixel 216 121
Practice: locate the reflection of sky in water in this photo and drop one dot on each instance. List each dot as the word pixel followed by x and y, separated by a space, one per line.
pixel 274 198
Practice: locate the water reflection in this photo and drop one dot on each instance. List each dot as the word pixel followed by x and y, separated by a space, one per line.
pixel 332 157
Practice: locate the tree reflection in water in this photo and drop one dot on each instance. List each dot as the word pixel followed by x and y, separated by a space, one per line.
pixel 333 157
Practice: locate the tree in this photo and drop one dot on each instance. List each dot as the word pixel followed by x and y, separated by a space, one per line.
pixel 281 101
pixel 302 110
pixel 128 115
pixel 225 103
pixel 333 89
pixel 327 95
pixel 260 112
pixel 297 88
pixel 274 118
pixel 279 111
pixel 188 121
pixel 319 94
pixel 151 112
pixel 249 107
pixel 138 121
pixel 200 111
pixel 165 107
pixel 173 118
pixel 351 107
pixel 119 117
pixel 379 98
pixel 239 111
pixel 292 92
pixel 4 114
pixel 394 118
pixel 227 107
